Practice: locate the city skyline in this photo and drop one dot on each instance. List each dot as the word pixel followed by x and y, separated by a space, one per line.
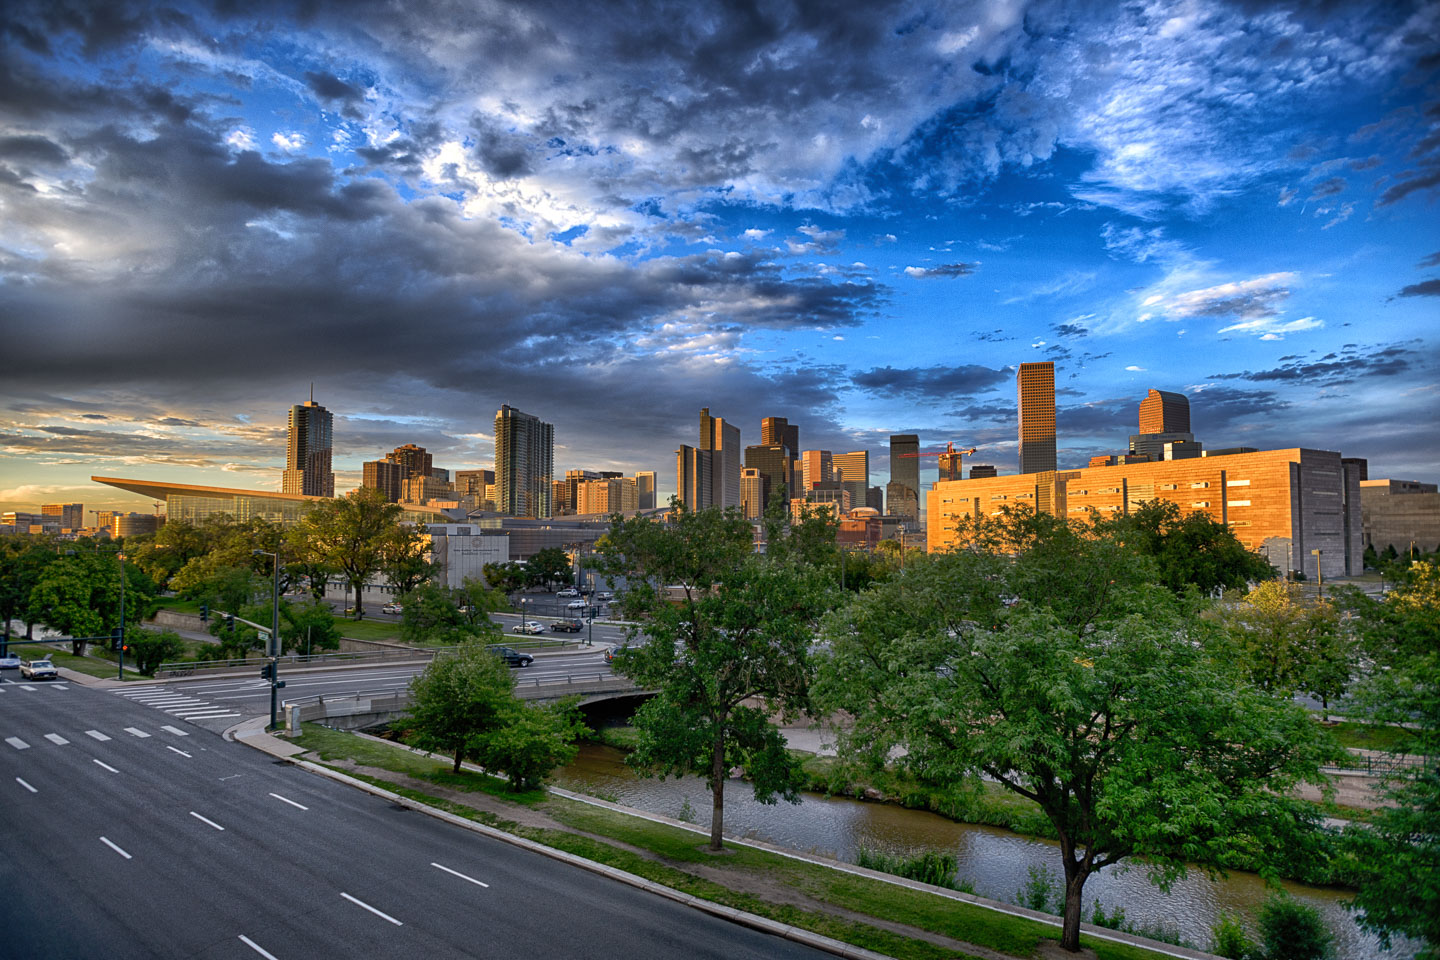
pixel 865 229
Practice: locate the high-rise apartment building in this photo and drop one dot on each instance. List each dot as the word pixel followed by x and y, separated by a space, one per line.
pixel 645 490
pixel 524 463
pixel 778 430
pixel 816 467
pixel 904 476
pixel 752 493
pixel 721 441
pixel 72 515
pixel 415 461
pixel 604 496
pixel 1035 392
pixel 692 477
pixel 308 451
pixel 383 475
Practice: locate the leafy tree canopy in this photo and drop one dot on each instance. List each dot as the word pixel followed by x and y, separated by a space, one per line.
pixel 1191 550
pixel 348 534
pixel 458 699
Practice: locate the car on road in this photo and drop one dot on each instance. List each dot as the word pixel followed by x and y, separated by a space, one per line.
pixel 10 661
pixel 39 670
pixel 567 625
pixel 528 626
pixel 392 608
pixel 604 596
pixel 513 657
pixel 576 605
pixel 568 592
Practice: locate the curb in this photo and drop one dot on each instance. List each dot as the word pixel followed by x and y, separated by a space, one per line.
pixel 251 733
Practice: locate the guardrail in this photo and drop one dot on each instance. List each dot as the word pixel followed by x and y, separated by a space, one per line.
pixel 185 668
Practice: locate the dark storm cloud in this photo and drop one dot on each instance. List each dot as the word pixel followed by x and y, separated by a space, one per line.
pixel 1216 408
pixel 32 149
pixel 1329 188
pixel 1070 330
pixel 1350 365
pixel 946 271
pixel 1433 260
pixel 1425 288
pixel 327 86
pixel 929 383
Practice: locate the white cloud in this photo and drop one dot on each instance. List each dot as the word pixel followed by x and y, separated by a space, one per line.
pixel 241 138
pixel 755 234
pixel 288 142
pixel 1134 369
pixel 1274 328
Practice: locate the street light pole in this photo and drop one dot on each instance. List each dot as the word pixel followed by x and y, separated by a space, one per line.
pixel 274 645
pixel 121 644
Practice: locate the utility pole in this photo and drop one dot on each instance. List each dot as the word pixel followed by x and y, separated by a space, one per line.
pixel 121 644
pixel 272 669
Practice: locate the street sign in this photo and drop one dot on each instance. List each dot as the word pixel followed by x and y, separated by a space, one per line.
pixel 263 636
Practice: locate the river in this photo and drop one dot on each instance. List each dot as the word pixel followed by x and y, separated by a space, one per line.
pixel 996 861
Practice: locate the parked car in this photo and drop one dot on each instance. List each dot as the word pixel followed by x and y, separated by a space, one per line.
pixel 10 661
pixel 576 605
pixel 567 626
pixel 513 658
pixel 528 626
pixel 392 608
pixel 39 670
pixel 568 592
pixel 604 596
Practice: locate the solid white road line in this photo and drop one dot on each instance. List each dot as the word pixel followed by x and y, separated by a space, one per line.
pixel 257 948
pixel 97 735
pixel 17 743
pixel 175 730
pixel 172 702
pixel 478 883
pixel 135 732
pixel 291 802
pixel 108 843
pixel 195 708
pixel 206 820
pixel 26 785
pixel 56 739
pixel 105 765
pixel 207 716
pixel 378 913
pixel 177 750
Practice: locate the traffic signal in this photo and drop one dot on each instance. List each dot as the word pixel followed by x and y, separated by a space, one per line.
pixel 204 613
pixel 267 672
pixel 230 621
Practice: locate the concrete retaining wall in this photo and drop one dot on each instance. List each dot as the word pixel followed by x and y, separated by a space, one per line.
pixel 178 621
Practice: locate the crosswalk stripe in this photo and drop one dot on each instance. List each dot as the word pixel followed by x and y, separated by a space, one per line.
pixel 175 730
pixel 56 739
pixel 136 733
pixel 17 743
pixel 97 735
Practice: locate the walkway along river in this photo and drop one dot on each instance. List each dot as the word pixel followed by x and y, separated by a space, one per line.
pixel 995 861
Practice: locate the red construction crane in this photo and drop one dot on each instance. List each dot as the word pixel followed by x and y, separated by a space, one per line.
pixel 949 462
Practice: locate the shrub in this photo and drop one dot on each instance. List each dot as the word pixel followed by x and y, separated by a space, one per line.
pixel 1291 930
pixel 1231 940
pixel 932 867
pixel 1041 891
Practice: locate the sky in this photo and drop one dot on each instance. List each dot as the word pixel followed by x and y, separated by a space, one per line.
pixel 861 217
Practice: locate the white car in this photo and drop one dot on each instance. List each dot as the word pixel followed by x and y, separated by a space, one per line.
pixel 527 626
pixel 10 661
pixel 568 592
pixel 576 605
pixel 39 670
pixel 392 608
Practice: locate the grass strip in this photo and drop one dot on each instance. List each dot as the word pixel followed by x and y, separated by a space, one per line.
pixel 1369 736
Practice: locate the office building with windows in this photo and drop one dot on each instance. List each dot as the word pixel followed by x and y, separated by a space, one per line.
pixel 1035 394
pixel 71 515
pixel 308 451
pixel 902 493
pixel 776 468
pixel 721 441
pixel 524 463
pixel 645 490
pixel 779 430
pixel 383 475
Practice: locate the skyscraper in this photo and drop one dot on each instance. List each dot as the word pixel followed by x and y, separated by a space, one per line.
pixel 778 430
pixel 1164 412
pixel 721 441
pixel 385 476
pixel 415 461
pixel 774 463
pixel 853 470
pixel 816 466
pixel 692 477
pixel 645 490
pixel 904 469
pixel 524 462
pixel 1035 391
pixel 308 451
pixel 72 515
pixel 752 493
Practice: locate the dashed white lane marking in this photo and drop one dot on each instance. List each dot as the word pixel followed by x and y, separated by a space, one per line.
pixel 56 739
pixel 206 820
pixel 134 732
pixel 175 730
pixel 257 948
pixel 17 743
pixel 111 845
pixel 177 750
pixel 26 785
pixel 291 802
pixel 478 883
pixel 379 913
pixel 105 765
pixel 97 735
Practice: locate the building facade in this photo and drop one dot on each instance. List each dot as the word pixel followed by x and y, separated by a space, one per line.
pixel 1035 396
pixel 1402 514
pixel 308 450
pixel 780 431
pixel 692 478
pixel 902 493
pixel 70 515
pixel 752 493
pixel 1284 504
pixel 524 463
pixel 383 475
pixel 721 441
pixel 775 465
pixel 816 466
pixel 645 490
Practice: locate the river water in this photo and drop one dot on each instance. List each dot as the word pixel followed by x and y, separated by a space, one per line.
pixel 996 861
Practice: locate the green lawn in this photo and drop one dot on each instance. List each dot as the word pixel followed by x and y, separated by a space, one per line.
pixel 176 605
pixel 589 830
pixel 1368 736
pixel 369 630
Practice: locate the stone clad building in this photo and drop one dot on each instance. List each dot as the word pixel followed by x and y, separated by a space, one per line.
pixel 1284 504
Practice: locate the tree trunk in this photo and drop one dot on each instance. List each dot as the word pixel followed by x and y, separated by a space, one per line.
pixel 459 751
pixel 717 793
pixel 1075 877
pixel 359 610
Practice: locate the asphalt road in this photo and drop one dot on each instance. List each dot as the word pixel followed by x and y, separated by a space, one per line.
pixel 125 836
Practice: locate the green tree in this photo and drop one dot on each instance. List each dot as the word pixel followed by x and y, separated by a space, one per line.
pixel 458 700
pixel 1058 669
pixel 1284 641
pixel 23 560
pixel 506 577
pixel 405 557
pixel 226 589
pixel 306 627
pixel 80 595
pixel 149 648
pixel 1291 930
pixel 348 534
pixel 550 565
pixel 532 741
pixel 431 615
pixel 477 602
pixel 737 628
pixel 1397 852
pixel 1191 550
